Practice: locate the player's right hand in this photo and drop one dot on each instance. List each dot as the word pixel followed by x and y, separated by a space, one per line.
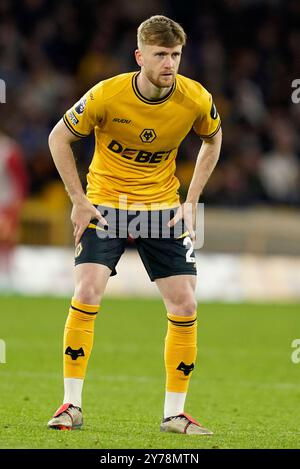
pixel 82 213
pixel 187 212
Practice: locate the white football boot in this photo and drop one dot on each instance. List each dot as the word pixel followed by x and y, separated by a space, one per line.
pixel 183 423
pixel 67 417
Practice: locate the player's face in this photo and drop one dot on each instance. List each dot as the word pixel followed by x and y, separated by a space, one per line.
pixel 160 64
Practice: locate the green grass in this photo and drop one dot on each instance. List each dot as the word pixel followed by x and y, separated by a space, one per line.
pixel 245 387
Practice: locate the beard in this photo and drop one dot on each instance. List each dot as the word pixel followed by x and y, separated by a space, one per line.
pixel 161 81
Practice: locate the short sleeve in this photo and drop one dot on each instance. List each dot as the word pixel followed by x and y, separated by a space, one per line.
pixel 86 114
pixel 208 122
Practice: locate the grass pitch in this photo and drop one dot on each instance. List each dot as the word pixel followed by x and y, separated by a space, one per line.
pixel 245 386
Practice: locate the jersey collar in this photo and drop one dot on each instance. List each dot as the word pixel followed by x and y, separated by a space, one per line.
pixel 149 101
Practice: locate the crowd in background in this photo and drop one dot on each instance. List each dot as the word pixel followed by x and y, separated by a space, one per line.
pixel 246 53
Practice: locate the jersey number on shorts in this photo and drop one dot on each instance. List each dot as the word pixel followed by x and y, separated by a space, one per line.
pixel 187 242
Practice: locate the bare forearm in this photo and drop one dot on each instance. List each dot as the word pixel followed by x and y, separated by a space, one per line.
pixel 63 158
pixel 205 164
pixel 83 211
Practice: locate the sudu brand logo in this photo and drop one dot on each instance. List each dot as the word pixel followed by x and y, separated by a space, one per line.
pixel 121 121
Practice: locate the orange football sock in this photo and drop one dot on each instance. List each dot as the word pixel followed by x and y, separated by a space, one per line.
pixel 180 351
pixel 78 338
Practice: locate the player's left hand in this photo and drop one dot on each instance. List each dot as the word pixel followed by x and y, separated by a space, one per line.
pixel 187 212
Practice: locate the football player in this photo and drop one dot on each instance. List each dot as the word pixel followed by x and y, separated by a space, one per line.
pixel 139 120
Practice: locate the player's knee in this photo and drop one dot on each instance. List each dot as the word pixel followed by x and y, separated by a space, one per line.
pixel 87 293
pixel 185 307
pixel 189 308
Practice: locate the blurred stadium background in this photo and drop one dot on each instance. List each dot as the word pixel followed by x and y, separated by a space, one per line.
pixel 246 52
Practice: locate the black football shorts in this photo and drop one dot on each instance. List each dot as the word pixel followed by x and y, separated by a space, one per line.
pixel 164 251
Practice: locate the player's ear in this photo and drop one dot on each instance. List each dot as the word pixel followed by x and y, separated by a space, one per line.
pixel 138 57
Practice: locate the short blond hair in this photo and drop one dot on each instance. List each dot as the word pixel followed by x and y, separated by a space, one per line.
pixel 160 31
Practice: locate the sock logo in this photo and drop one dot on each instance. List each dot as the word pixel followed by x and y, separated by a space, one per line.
pixel 185 368
pixel 74 353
